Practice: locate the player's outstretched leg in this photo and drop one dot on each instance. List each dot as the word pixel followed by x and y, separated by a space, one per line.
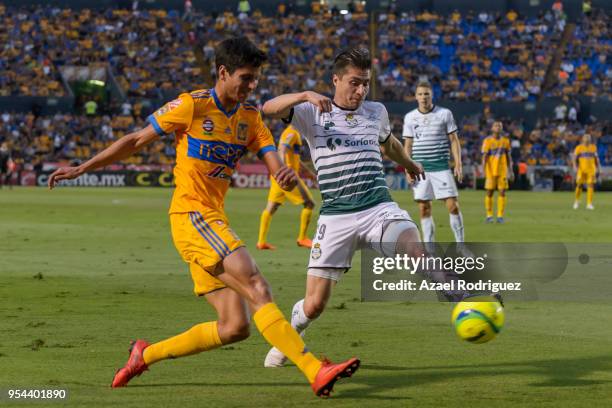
pixel 242 275
pixel 134 366
pixel 319 285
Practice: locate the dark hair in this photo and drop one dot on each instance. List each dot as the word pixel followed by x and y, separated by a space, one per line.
pixel 238 52
pixel 355 57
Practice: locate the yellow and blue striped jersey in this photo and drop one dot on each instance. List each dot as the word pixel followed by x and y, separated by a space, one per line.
pixel 209 143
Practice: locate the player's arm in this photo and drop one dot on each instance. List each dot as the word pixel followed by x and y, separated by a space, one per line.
pixel 394 150
pixel 284 176
pixel 456 152
pixel 119 150
pixel 282 150
pixel 280 107
pixel 510 165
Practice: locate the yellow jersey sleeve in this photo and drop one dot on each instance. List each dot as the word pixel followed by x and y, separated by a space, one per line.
pixel 260 140
pixel 486 146
pixel 176 115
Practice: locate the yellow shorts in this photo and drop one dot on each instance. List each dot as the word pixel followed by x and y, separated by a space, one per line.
pixel 278 195
pixel 585 178
pixel 496 183
pixel 203 242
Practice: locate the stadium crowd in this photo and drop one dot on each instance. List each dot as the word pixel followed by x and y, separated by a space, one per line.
pixel 586 68
pixel 485 56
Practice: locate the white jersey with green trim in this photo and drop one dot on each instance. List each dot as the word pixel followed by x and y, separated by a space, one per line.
pixel 345 149
pixel 429 132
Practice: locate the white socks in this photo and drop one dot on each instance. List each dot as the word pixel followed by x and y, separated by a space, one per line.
pixel 456 223
pixel 428 229
pixel 299 321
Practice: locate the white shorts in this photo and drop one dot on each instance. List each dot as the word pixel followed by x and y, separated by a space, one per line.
pixel 338 236
pixel 437 184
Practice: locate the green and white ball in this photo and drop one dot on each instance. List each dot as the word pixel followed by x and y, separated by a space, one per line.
pixel 478 319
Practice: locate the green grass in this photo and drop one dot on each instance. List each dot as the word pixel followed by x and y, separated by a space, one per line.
pixel 83 271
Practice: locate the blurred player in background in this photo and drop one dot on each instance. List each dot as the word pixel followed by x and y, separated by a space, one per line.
pixel 289 148
pixel 7 166
pixel 430 137
pixel 214 128
pixel 497 165
pixel 586 166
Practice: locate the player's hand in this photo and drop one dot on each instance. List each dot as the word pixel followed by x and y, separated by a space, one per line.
pixel 414 172
pixel 511 176
pixel 459 173
pixel 64 173
pixel 320 101
pixel 286 178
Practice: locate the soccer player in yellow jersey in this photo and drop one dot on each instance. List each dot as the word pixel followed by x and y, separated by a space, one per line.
pixel 497 165
pixel 213 129
pixel 586 165
pixel 289 147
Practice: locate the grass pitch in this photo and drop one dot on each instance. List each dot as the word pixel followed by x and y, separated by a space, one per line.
pixel 83 271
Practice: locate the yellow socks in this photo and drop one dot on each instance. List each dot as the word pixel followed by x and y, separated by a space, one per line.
pixel 305 216
pixel 278 332
pixel 489 205
pixel 590 190
pixel 578 192
pixel 501 206
pixel 264 226
pixel 201 337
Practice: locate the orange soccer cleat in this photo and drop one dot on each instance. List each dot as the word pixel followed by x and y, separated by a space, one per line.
pixel 306 243
pixel 265 245
pixel 134 366
pixel 329 373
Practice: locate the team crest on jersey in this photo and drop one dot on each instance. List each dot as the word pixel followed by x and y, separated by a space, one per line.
pixel 208 126
pixel 168 107
pixel 315 252
pixel 351 120
pixel 243 131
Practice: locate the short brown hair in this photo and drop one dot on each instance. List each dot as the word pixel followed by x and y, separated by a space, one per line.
pixel 423 84
pixel 356 57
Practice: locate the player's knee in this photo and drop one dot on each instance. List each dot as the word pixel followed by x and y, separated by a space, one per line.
pixel 259 290
pixel 502 193
pixel 235 331
pixel 313 307
pixel 425 209
pixel 309 204
pixel 453 206
pixel 272 207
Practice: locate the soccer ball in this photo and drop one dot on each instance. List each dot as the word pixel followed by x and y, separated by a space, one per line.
pixel 478 319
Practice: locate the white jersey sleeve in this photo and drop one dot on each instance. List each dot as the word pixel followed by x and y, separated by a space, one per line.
pixel 451 126
pixel 304 117
pixel 385 126
pixel 408 127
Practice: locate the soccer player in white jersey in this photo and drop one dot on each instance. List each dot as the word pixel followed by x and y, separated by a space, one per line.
pixel 430 136
pixel 345 137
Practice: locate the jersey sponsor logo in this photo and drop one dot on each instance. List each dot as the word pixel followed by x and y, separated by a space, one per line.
pixel 359 142
pixel 351 120
pixel 243 131
pixel 208 125
pixel 331 143
pixel 228 131
pixel 214 151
